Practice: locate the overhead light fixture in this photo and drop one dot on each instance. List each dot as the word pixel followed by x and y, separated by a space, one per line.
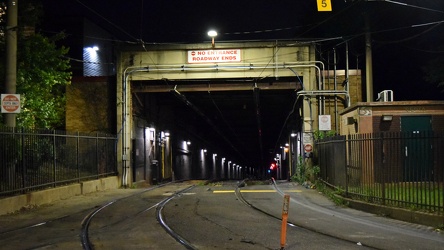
pixel 93 48
pixel 387 118
pixel 212 34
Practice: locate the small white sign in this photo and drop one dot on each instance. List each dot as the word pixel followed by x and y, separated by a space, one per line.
pixel 10 103
pixel 324 123
pixel 213 56
pixel 307 138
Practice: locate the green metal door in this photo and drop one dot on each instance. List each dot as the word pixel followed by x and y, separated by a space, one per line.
pixel 416 147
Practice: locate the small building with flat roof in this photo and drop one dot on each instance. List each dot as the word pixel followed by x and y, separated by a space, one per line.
pixel 395 116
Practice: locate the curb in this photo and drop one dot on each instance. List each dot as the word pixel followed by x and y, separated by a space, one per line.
pixel 406 215
pixel 15 203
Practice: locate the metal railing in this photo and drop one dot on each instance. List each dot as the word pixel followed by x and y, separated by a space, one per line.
pixel 402 169
pixel 33 159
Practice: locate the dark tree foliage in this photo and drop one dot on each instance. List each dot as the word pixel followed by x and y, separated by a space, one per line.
pixel 42 71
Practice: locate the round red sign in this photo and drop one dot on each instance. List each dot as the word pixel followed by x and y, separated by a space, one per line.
pixel 10 103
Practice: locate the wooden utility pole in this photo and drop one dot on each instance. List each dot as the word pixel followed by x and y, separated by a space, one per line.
pixel 368 60
pixel 11 55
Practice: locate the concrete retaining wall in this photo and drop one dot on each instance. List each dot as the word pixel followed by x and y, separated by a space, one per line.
pixel 13 204
pixel 432 220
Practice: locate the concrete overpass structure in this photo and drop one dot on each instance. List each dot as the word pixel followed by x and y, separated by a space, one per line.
pixel 181 70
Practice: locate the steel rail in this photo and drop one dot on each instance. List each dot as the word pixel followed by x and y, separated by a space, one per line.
pixel 273 182
pixel 160 219
pixel 84 235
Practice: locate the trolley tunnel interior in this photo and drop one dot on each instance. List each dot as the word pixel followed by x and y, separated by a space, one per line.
pixel 244 120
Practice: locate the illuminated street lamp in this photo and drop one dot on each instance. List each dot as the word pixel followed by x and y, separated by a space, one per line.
pixel 212 34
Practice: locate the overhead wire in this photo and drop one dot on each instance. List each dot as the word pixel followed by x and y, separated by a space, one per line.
pixel 436 24
pixel 107 20
pixel 221 114
pixel 311 27
pixel 265 30
pixel 426 51
pixel 327 19
pixel 408 5
pixel 84 61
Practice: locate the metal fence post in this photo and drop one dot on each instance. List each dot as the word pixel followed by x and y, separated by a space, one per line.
pixel 21 139
pixel 383 176
pixel 77 156
pixel 54 156
pixel 346 163
pixel 97 156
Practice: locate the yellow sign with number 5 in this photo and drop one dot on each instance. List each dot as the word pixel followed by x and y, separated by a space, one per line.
pixel 324 5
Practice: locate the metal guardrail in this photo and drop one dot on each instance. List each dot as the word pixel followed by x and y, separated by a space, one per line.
pixel 35 159
pixel 402 169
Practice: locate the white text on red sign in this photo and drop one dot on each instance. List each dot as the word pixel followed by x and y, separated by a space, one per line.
pixel 213 56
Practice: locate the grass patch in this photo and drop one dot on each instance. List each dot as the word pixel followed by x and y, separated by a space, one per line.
pixel 416 196
pixel 334 194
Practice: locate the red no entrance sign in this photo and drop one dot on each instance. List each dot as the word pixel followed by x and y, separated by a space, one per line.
pixel 308 148
pixel 10 103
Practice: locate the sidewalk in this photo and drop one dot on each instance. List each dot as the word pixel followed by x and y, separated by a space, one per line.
pixel 426 219
pixel 312 210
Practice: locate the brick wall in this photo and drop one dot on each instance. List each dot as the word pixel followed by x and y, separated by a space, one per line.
pixel 90 105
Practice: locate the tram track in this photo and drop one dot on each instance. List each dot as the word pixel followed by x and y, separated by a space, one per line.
pixel 172 216
pixel 316 215
pixel 84 237
pixel 87 245
pixel 64 232
pixel 52 220
pixel 289 223
pixel 161 220
pixel 135 216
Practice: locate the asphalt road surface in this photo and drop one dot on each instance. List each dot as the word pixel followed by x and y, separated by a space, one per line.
pixel 212 216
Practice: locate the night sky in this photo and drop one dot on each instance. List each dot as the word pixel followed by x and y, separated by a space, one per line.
pixel 406 34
